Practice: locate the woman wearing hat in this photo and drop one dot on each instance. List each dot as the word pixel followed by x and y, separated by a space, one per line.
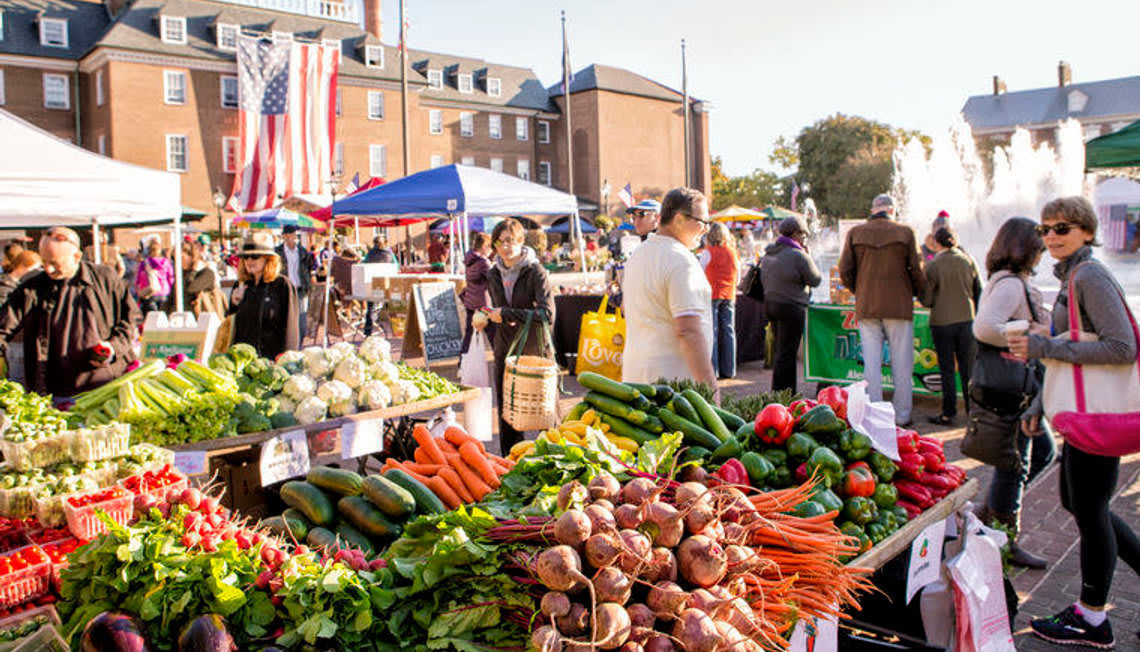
pixel 788 273
pixel 264 304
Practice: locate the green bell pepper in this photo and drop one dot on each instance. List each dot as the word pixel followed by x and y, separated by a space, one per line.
pixel 825 464
pixel 875 532
pixel 851 529
pixel 780 478
pixel 882 465
pixel 885 495
pixel 827 499
pixel 888 520
pixel 860 510
pixel 730 449
pixel 854 445
pixel 778 457
pixel 820 422
pixel 808 509
pixel 800 446
pixel 758 467
pixel 901 517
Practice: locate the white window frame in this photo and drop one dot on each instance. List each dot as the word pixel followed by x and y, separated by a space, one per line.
pixel 99 98
pixel 495 126
pixel 338 159
pixel 522 128
pixel 494 87
pixel 374 56
pixel 167 75
pixel 466 83
pixel 101 144
pixel 219 32
pixel 467 160
pixel 229 161
pixel 2 100
pixel 339 101
pixel 335 44
pixel 166 22
pixel 222 91
pixel 543 132
pixel 380 170
pixel 496 165
pixel 467 124
pixel 435 78
pixel 62 24
pixel 522 168
pixel 373 115
pixel 435 121
pixel 437 161
pixel 1 24
pixel 170 165
pixel 545 175
pixel 66 105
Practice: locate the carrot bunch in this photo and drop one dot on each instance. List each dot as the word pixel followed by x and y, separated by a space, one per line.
pixel 456 466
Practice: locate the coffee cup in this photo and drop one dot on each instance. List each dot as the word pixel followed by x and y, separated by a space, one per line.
pixel 1016 327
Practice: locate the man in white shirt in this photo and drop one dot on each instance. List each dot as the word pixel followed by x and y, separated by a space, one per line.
pixel 298 264
pixel 667 299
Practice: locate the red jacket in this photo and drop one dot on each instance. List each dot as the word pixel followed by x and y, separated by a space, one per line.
pixel 722 271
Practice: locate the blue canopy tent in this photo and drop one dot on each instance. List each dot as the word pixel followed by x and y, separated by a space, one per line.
pixel 563 225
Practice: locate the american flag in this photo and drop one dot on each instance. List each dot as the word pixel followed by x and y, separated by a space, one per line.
pixel 626 195
pixel 795 193
pixel 287 95
pixel 352 185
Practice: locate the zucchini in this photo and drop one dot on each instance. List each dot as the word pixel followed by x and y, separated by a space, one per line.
pixel 614 407
pixel 642 403
pixel 653 424
pixel 683 408
pixel 297 522
pixel 731 420
pixel 577 411
pixel 365 516
pixel 695 454
pixel 341 482
pixel 664 394
pixel 691 433
pixel 426 500
pixel 312 502
pixel 352 538
pixel 389 497
pixel 611 388
pixel 623 428
pixel 277 526
pixel 648 391
pixel 708 416
pixel 320 537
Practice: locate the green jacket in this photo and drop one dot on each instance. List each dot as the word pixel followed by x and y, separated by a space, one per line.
pixel 953 286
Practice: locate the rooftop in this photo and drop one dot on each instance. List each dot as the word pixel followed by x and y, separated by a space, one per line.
pixel 1102 99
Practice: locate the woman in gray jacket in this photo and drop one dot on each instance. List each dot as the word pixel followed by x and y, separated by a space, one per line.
pixel 788 274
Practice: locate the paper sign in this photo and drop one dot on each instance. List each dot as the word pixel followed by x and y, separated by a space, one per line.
pixel 190 462
pixel 925 559
pixel 815 635
pixel 284 456
pixel 359 438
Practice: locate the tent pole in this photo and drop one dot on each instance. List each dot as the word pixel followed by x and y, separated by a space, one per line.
pixel 95 241
pixel 581 248
pixel 328 272
pixel 356 228
pixel 177 246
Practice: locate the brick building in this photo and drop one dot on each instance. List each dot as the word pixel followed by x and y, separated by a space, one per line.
pixel 153 82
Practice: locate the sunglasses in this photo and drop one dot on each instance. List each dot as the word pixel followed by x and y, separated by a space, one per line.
pixel 1060 228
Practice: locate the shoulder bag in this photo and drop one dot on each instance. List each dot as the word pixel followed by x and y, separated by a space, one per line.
pixel 752 285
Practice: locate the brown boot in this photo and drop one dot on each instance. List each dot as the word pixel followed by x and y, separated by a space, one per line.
pixel 1018 556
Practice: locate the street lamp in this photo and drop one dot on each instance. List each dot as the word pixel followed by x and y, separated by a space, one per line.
pixel 606 197
pixel 219 202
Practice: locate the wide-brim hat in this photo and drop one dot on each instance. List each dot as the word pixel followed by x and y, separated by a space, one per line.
pixel 258 243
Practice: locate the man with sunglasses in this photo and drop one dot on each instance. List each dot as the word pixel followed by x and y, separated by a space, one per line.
pixel 881 264
pixel 646 216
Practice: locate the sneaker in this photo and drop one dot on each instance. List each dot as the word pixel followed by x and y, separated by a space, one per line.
pixel 1068 628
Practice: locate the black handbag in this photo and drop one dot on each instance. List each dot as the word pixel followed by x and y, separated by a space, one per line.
pixel 1002 382
pixel 752 285
pixel 991 438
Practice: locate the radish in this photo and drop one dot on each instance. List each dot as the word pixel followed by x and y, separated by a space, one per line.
pixel 191 497
pixel 601 519
pixel 602 549
pixel 571 494
pixel 559 568
pixel 639 491
pixel 575 622
pixel 696 631
pixel 628 517
pixel 604 487
pixel 670 529
pixel 667 600
pixel 545 639
pixel 635 551
pixel 612 626
pixel 702 561
pixel 641 620
pixel 612 585
pixel 662 566
pixel 572 528
pixel 555 604
pixel 659 643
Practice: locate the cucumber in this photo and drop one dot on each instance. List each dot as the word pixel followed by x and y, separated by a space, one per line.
pixel 708 416
pixel 426 500
pixel 642 403
pixel 616 408
pixel 664 394
pixel 350 537
pixel 389 497
pixel 364 515
pixel 312 502
pixel 623 428
pixel 577 411
pixel 731 420
pixel 603 385
pixel 277 525
pixel 683 408
pixel 648 391
pixel 341 482
pixel 691 433
pixel 320 537
pixel 653 424
pixel 297 522
pixel 695 454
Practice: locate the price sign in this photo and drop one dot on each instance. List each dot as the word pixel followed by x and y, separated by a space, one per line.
pixel 359 438
pixel 190 462
pixel 284 456
pixel 925 559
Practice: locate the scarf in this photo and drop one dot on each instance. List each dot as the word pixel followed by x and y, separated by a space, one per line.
pixel 510 275
pixel 787 240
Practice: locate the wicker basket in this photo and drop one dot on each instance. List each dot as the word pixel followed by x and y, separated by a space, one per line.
pixel 530 393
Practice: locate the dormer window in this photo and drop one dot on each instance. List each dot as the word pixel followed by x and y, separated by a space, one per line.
pixel 53 32
pixel 227 36
pixel 374 56
pixel 174 29
pixel 435 79
pixel 1077 101
pixel 1 24
pixel 494 86
pixel 465 84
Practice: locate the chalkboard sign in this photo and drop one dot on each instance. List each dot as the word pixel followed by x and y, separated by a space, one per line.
pixel 434 313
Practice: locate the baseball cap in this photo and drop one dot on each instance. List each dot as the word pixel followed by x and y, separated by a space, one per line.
pixel 881 203
pixel 651 205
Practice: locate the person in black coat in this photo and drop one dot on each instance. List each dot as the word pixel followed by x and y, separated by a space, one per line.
pixel 519 287
pixel 298 264
pixel 264 304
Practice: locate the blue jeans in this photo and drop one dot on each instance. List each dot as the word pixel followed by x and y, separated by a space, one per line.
pixel 900 337
pixel 1008 487
pixel 724 337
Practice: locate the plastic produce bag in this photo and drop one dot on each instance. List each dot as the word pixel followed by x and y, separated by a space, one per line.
pixel 473 370
pixel 601 342
pixel 979 591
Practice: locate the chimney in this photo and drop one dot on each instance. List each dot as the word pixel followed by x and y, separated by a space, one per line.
pixel 372 17
pixel 116 6
pixel 999 86
pixel 1064 74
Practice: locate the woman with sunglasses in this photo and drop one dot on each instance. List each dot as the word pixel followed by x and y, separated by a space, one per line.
pixel 1068 227
pixel 264 303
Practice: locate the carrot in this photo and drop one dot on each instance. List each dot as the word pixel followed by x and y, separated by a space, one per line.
pixel 388 464
pixel 452 479
pixel 444 491
pixel 425 469
pixel 418 476
pixel 458 436
pixel 423 438
pixel 471 479
pixel 478 462
pixel 421 456
pixel 499 468
pixel 446 446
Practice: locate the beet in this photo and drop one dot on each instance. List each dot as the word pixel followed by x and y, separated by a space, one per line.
pixel 742 559
pixel 639 491
pixel 576 622
pixel 555 604
pixel 667 600
pixel 662 566
pixel 687 492
pixel 572 528
pixel 632 646
pixel 702 561
pixel 659 643
pixel 734 533
pixel 734 506
pixel 628 517
pixel 693 473
pixel 641 620
pixel 613 626
pixel 602 549
pixel 607 505
pixel 699 516
pixel 601 518
pixel 635 551
pixel 731 638
pixel 696 631
pixel 705 601
pixel 604 487
pixel 545 639
pixel 612 585
pixel 206 634
pixel 558 568
pixel 670 528
pixel 113 631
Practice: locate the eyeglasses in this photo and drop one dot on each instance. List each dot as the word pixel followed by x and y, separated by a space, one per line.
pixel 698 219
pixel 506 242
pixel 1060 228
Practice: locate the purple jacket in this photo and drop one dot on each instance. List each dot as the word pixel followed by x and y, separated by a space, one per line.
pixel 164 270
pixel 478 269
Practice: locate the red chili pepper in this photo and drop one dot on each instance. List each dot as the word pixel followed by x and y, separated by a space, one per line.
pixel 932 462
pixel 733 472
pixel 774 424
pixel 836 398
pixel 797 408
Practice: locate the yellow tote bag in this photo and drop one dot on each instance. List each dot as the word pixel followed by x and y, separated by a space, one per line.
pixel 601 342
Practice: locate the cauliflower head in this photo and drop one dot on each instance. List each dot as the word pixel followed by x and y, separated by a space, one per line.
pixel 375 348
pixel 384 371
pixel 343 350
pixel 317 362
pixel 286 404
pixel 299 387
pixel 311 410
pixel 404 391
pixel 351 371
pixel 291 361
pixel 334 391
pixel 373 395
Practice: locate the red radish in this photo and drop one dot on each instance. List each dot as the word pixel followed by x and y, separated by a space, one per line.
pixel 612 585
pixel 641 620
pixel 190 539
pixel 702 561
pixel 601 519
pixel 572 528
pixel 696 631
pixel 667 600
pixel 208 505
pixel 545 639
pixel 559 568
pixel 604 487
pixel 660 642
pixel 639 491
pixel 263 579
pixel 143 503
pixel 662 566
pixel 612 626
pixel 635 553
pixel 377 564
pixel 576 622
pixel 602 549
pixel 555 604
pixel 191 497
pixel 572 494
pixel 670 529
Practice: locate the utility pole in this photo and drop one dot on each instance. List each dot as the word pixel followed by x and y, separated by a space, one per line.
pixel 688 136
pixel 404 88
pixel 566 104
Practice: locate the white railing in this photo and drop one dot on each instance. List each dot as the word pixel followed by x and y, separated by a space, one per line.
pixel 327 9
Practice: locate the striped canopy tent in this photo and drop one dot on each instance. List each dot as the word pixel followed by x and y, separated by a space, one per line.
pixel 277 218
pixel 737 214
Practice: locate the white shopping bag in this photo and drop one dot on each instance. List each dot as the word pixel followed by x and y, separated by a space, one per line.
pixel 477 415
pixel 473 370
pixel 979 591
pixel 876 420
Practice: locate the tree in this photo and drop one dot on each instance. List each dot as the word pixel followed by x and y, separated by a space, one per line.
pixel 785 154
pixel 750 191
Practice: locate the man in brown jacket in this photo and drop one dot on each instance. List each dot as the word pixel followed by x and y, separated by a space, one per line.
pixel 881 264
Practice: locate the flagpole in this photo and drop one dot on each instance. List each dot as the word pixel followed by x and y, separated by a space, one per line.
pixel 685 92
pixel 404 88
pixel 566 105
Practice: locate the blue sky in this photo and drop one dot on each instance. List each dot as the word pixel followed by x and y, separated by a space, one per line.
pixel 770 68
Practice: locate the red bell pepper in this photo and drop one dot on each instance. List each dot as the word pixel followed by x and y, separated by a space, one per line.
pixel 836 398
pixel 859 480
pixel 938 481
pixel 774 424
pixel 911 465
pixel 930 445
pixel 797 408
pixel 912 510
pixel 907 440
pixel 915 492
pixel 933 462
pixel 733 472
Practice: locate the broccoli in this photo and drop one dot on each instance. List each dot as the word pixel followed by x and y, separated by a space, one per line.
pixel 242 354
pixel 282 420
pixel 254 423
